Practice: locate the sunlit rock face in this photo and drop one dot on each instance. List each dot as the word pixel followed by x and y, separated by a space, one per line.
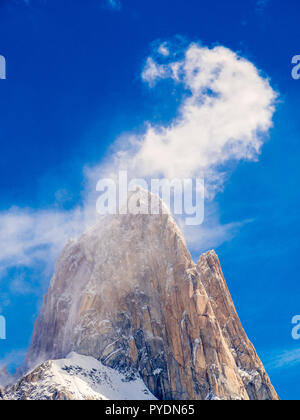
pixel 128 294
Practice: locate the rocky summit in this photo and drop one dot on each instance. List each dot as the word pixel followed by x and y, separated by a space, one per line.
pixel 128 295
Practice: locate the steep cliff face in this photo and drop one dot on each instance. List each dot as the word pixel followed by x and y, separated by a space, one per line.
pixel 250 368
pixel 128 294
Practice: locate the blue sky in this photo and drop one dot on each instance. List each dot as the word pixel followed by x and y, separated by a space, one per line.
pixel 74 86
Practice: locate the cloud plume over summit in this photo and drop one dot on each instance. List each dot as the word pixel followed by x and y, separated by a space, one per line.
pixel 224 115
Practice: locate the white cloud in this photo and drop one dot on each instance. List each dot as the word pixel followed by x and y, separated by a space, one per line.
pixel 224 116
pixel 227 113
pixel 34 239
pixel 152 72
pixel 26 232
pixel 164 50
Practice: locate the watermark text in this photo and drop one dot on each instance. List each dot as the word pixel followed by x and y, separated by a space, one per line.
pixel 2 67
pixel 296 68
pixel 182 197
pixel 296 329
pixel 2 328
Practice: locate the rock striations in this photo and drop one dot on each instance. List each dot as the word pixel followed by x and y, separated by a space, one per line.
pixel 128 294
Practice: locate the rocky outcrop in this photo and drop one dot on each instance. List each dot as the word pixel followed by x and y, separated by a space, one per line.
pixel 128 294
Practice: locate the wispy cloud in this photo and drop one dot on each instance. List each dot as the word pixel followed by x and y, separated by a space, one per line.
pixel 224 115
pixel 11 360
pixel 29 233
pixel 212 233
pixel 284 359
pixel 34 239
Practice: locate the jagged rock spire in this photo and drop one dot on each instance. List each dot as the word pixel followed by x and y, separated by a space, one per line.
pixel 128 294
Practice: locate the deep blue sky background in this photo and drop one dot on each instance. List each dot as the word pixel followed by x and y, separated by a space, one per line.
pixel 73 85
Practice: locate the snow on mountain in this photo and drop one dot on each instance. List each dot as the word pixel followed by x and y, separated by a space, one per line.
pixel 77 378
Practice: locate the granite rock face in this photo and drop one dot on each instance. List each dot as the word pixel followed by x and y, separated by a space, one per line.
pixel 128 294
pixel 250 368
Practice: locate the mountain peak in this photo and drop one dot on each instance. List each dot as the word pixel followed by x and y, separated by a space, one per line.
pixel 128 294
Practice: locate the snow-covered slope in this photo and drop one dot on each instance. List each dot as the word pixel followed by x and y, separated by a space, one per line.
pixel 77 378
